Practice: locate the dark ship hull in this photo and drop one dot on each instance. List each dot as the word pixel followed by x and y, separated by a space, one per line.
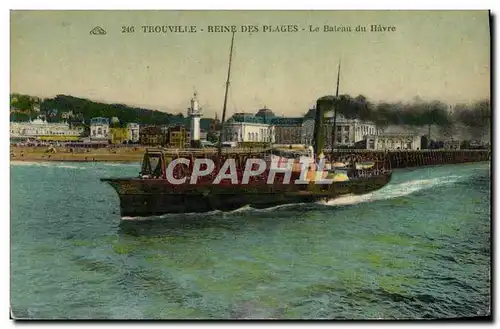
pixel 149 197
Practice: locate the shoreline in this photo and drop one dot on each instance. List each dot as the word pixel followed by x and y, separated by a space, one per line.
pixel 91 158
pixel 71 160
pixel 41 154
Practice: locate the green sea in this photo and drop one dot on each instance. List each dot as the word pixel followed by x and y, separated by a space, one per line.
pixel 417 249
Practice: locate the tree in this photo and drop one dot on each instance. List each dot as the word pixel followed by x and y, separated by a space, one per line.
pixel 212 138
pixel 22 102
pixel 19 117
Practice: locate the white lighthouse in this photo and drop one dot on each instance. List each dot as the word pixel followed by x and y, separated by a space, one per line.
pixel 195 113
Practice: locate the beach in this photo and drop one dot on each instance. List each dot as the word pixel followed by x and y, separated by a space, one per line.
pixel 65 154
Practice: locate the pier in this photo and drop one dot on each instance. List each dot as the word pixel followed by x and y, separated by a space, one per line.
pixel 419 158
pixel 397 159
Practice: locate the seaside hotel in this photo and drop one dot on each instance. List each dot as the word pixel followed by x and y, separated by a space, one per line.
pixel 45 131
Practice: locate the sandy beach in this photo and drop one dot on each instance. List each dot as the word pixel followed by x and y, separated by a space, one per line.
pixel 105 154
pixel 129 154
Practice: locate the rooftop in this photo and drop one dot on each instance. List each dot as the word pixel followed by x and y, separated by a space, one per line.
pixel 264 116
pixel 99 120
pixel 265 113
pixel 283 121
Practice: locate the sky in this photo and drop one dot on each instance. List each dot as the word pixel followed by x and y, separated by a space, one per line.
pixel 435 55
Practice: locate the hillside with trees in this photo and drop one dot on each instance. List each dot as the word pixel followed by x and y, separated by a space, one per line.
pixel 24 107
pixel 474 117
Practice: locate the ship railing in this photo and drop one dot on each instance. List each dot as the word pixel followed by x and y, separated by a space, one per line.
pixel 371 173
pixel 381 160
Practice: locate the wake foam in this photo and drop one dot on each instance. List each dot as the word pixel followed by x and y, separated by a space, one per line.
pixel 392 191
pixel 243 209
pixel 189 214
pixel 122 164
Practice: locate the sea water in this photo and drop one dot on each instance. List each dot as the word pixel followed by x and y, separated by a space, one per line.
pixel 418 248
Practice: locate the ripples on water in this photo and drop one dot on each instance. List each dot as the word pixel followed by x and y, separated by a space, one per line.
pixel 419 248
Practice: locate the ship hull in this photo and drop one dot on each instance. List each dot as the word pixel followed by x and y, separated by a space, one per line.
pixel 139 197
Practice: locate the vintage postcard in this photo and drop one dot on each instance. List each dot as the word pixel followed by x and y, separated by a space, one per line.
pixel 250 164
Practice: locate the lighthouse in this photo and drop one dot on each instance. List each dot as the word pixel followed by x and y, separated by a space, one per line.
pixel 194 112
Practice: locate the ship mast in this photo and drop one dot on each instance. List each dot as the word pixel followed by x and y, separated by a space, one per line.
pixel 225 96
pixel 334 128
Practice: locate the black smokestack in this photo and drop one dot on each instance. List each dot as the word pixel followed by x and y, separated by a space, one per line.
pixel 323 105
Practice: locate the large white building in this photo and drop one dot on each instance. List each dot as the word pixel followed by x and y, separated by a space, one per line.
pixel 99 128
pixel 266 127
pixel 245 127
pixel 44 130
pixel 391 142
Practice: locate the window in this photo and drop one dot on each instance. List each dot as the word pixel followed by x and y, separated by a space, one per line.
pixel 99 131
pixel 371 144
pixel 249 137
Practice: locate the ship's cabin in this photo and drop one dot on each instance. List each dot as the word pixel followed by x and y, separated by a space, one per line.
pixel 153 165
